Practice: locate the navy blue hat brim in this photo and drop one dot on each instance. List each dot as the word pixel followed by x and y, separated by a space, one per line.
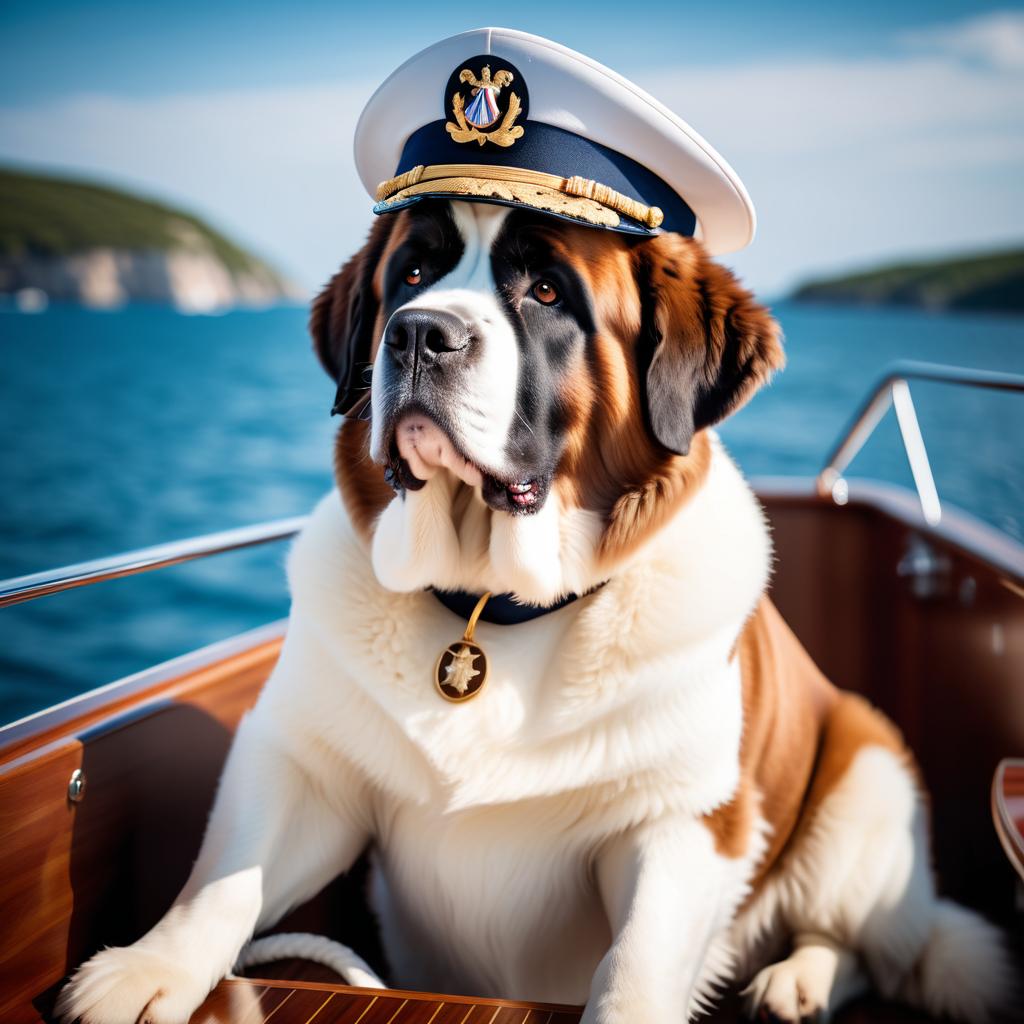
pixel 560 153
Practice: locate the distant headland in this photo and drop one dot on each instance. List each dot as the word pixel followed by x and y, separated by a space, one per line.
pixel 990 282
pixel 63 240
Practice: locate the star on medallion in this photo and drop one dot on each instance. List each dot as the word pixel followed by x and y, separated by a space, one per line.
pixel 460 670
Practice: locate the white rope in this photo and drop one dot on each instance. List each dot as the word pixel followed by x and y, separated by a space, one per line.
pixel 318 948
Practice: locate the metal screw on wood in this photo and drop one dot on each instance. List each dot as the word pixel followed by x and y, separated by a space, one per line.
pixel 76 786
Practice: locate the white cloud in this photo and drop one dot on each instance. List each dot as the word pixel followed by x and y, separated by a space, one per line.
pixel 800 109
pixel 858 160
pixel 847 161
pixel 995 39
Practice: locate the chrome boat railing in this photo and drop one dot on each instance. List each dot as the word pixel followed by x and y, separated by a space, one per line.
pixel 129 563
pixel 894 390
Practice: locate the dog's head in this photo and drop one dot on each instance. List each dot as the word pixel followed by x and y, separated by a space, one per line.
pixel 539 391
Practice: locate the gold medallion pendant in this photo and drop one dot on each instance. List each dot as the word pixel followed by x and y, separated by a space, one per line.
pixel 461 671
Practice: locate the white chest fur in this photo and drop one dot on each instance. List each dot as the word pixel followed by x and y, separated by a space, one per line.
pixel 496 900
pixel 615 710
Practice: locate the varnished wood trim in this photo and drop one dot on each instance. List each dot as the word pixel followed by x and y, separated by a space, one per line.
pixel 958 528
pixel 257 649
pixel 62 861
pixel 143 692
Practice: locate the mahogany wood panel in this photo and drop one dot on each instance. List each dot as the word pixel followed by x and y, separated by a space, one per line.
pixel 78 876
pixel 193 671
pixel 72 878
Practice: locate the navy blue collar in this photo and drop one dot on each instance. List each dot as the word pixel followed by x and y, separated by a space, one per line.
pixel 501 609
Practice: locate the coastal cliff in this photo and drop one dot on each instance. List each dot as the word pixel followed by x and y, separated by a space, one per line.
pixel 70 241
pixel 991 282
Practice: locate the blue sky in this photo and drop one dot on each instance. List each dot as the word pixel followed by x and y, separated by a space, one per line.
pixel 53 49
pixel 863 131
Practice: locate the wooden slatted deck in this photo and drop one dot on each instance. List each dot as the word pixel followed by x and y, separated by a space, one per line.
pixel 259 1000
pixel 256 1001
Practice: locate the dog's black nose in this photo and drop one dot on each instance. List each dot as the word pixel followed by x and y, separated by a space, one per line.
pixel 426 333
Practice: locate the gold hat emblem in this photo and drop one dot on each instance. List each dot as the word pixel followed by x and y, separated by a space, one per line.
pixel 474 120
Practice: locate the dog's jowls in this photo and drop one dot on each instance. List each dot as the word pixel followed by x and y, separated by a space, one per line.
pixel 657 790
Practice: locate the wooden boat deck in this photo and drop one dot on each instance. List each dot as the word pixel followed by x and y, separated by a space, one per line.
pixel 254 1001
pixel 78 875
pixel 261 1000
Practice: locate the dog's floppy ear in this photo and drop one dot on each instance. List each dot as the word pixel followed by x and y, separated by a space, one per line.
pixel 343 318
pixel 709 344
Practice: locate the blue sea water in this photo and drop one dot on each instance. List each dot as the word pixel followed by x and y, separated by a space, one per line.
pixel 119 430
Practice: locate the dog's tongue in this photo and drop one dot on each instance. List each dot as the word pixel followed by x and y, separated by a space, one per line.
pixel 426 448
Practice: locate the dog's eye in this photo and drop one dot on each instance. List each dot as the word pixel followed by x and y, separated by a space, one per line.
pixel 413 275
pixel 545 293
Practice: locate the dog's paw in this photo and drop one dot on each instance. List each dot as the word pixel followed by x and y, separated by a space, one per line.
pixel 808 987
pixel 130 985
pixel 788 993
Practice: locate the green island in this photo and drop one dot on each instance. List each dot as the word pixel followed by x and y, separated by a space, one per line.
pixel 989 282
pixel 76 241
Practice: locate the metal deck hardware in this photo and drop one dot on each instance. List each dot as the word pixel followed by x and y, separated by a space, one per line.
pixel 894 390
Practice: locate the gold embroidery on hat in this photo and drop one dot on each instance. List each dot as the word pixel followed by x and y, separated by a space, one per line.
pixel 606 196
pixel 577 197
pixel 392 185
pixel 464 131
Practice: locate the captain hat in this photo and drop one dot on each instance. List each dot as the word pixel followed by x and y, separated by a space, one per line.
pixel 500 116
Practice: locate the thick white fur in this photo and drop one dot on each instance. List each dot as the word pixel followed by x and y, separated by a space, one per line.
pixel 546 840
pixel 601 725
pixel 538 557
pixel 860 883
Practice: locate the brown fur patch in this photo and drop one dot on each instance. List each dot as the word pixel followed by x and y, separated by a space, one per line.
pixel 786 701
pixel 718 345
pixel 347 314
pixel 800 736
pixel 852 725
pixel 612 464
pixel 360 480
pixel 395 239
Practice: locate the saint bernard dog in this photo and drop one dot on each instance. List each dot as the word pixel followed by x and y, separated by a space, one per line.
pixel 656 792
